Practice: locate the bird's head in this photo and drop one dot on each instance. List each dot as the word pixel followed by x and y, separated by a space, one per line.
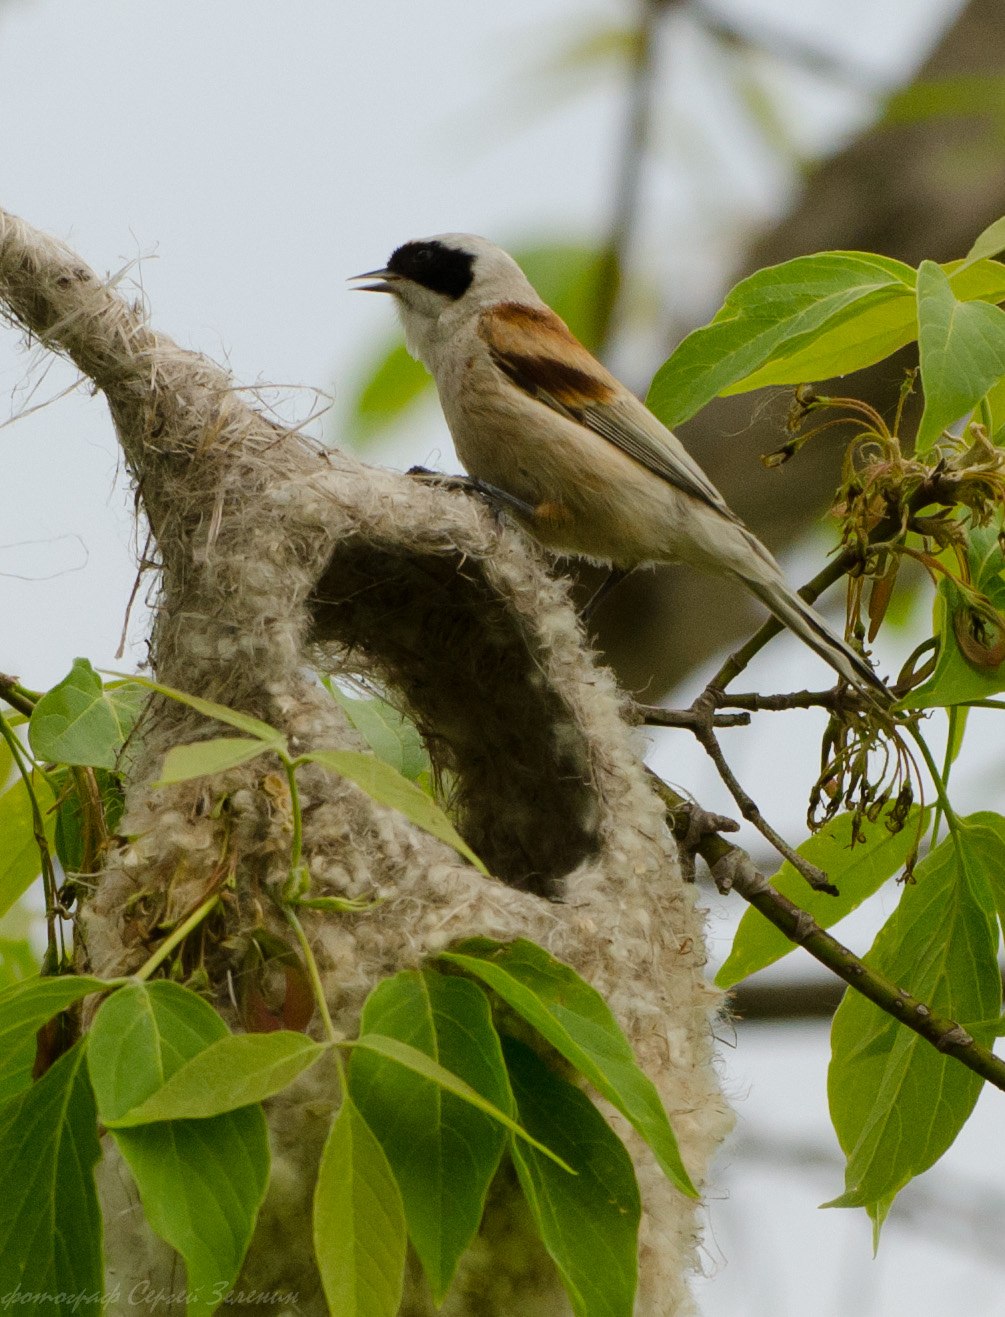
pixel 437 282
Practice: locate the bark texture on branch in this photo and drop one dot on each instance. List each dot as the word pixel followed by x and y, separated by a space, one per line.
pixel 271 551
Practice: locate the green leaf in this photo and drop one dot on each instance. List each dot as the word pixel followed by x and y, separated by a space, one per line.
pixel 442 1151
pixel 201 1183
pixel 50 1221
pixel 879 327
pixel 956 680
pixel 393 382
pixel 140 1037
pixel 6 763
pixel 244 722
pixel 20 863
pixel 589 1221
pixel 993 834
pixel 359 1222
pixel 962 351
pixel 386 786
pixel 389 734
pixel 18 962
pixel 967 95
pixel 989 243
pixel 897 1103
pixel 82 722
pixel 857 872
pixel 576 1020
pixel 24 1008
pixel 994 400
pixel 781 309
pixel 410 1058
pixel 199 758
pixel 234 1072
pixel 873 330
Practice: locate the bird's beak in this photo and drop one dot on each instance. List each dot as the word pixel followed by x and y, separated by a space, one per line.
pixel 387 280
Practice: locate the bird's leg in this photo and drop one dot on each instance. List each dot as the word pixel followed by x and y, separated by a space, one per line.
pixel 499 498
pixel 614 577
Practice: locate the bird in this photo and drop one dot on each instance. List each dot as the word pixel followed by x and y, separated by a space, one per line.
pixel 581 462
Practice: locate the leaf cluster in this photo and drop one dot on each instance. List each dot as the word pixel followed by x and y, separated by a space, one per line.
pixel 433 1097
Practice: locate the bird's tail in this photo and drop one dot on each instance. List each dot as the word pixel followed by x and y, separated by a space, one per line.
pixel 779 597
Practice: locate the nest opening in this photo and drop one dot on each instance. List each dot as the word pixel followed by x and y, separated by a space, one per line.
pixel 464 665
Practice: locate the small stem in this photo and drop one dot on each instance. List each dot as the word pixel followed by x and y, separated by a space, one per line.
pixel 313 973
pixel 178 935
pixel 17 696
pixel 952 822
pixel 655 716
pixel 816 878
pixel 45 855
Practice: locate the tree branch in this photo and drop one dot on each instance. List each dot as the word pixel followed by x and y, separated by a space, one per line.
pixel 733 870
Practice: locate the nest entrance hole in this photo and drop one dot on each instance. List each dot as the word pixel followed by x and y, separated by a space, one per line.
pixel 467 666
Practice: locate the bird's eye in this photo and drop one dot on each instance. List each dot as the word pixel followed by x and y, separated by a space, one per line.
pixel 422 256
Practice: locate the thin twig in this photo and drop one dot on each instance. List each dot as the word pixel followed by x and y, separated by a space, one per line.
pixel 816 877
pixel 733 870
pixel 12 692
pixel 655 716
pixel 177 936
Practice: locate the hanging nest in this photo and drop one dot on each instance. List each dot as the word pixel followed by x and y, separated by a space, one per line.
pixel 277 558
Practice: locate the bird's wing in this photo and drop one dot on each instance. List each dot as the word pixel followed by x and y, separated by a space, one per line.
pixel 537 351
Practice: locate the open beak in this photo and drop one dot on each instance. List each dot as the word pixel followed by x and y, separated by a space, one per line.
pixel 387 279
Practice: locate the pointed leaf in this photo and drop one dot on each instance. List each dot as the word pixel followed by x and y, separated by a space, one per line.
pixel 881 325
pixel 410 1058
pixel 389 734
pixel 783 307
pixel 20 863
pixel 82 722
pixel 141 1035
pixel 962 350
pixel 201 1183
pixel 856 871
pixel 386 786
pixel 24 1008
pixel 199 758
pixel 576 1020
pixel 442 1150
pixel 50 1221
pixel 234 1072
pixel 244 722
pixel 897 1103
pixel 989 243
pixel 359 1222
pixel 589 1221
